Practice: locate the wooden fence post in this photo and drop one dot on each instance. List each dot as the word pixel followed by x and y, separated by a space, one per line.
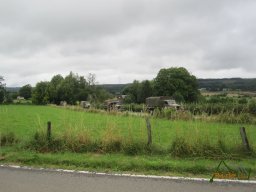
pixel 149 132
pixel 49 130
pixel 245 139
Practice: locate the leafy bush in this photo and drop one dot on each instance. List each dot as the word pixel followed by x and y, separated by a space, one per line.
pixel 133 148
pixel 40 142
pixel 252 107
pixel 181 148
pixel 8 139
pixel 78 141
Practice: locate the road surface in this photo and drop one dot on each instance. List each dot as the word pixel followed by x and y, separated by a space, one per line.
pixel 24 180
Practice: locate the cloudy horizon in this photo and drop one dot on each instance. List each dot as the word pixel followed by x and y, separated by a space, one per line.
pixel 123 40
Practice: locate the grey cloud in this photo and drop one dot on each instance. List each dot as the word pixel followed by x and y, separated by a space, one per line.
pixel 122 40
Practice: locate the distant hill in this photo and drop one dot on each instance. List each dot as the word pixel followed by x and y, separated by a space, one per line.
pixel 114 88
pixel 12 89
pixel 208 84
pixel 228 83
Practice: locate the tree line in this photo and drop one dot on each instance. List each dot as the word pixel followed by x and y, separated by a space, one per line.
pixel 228 83
pixel 2 89
pixel 71 89
pixel 175 82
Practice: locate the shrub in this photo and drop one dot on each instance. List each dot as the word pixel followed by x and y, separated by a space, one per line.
pixel 40 142
pixel 8 139
pixel 133 148
pixel 252 106
pixel 181 148
pixel 78 142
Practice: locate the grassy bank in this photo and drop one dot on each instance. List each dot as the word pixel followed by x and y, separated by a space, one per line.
pixel 117 163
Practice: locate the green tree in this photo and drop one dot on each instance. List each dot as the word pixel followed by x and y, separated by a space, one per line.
pixel 40 95
pixel 71 89
pixel 26 91
pixel 91 78
pixel 8 97
pixel 145 90
pixel 83 89
pixel 2 90
pixel 137 92
pixel 96 94
pixel 132 91
pixel 176 82
pixel 74 88
pixel 252 106
pixel 54 89
pixel 102 95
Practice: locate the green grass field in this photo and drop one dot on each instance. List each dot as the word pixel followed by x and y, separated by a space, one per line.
pixel 25 121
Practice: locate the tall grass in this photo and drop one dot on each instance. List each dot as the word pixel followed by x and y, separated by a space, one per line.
pixel 7 139
pixel 80 131
pixel 112 142
pixel 202 143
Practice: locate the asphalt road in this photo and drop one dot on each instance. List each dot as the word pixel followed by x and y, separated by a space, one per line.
pixel 20 180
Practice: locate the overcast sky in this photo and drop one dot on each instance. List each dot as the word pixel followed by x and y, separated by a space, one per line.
pixel 123 40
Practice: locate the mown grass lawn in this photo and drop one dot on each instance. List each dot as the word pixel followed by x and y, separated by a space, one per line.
pixel 24 121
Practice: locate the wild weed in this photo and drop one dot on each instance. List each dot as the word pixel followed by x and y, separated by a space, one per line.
pixel 111 140
pixel 7 139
